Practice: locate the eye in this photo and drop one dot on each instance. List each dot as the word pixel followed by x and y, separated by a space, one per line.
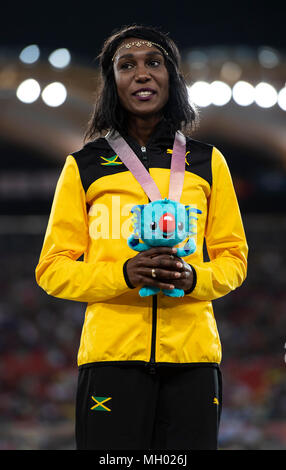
pixel 153 226
pixel 126 66
pixel 180 225
pixel 154 63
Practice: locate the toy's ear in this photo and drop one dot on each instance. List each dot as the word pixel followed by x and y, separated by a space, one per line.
pixel 137 209
pixel 192 210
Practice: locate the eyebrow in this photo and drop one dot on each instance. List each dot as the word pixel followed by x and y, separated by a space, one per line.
pixel 129 55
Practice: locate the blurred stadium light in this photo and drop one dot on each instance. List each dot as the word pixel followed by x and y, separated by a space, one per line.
pixel 243 93
pixel 60 58
pixel 54 94
pixel 28 91
pixel 282 98
pixel 30 54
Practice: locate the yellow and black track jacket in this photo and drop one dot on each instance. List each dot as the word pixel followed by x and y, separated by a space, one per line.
pixel 90 216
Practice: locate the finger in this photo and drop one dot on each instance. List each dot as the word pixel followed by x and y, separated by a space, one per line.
pixel 185 275
pixel 161 274
pixel 160 250
pixel 164 256
pixel 183 283
pixel 169 264
pixel 174 258
pixel 150 282
pixel 164 263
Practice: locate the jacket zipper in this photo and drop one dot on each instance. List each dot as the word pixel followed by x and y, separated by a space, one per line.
pixel 145 157
pixel 152 362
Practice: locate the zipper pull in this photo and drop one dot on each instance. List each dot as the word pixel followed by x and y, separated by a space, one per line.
pixel 152 368
pixel 144 156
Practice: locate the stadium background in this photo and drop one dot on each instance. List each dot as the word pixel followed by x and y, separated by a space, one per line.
pixel 42 120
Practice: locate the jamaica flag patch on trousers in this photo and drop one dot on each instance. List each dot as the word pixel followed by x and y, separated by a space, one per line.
pixel 99 403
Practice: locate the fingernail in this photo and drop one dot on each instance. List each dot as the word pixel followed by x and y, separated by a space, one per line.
pixel 179 265
pixel 177 274
pixel 174 250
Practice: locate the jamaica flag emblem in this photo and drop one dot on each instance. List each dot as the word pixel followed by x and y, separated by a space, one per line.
pixel 100 403
pixel 111 160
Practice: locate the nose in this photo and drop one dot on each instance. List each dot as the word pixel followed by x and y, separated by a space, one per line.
pixel 142 75
pixel 167 223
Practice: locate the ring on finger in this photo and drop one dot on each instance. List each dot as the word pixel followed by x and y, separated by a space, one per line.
pixel 153 272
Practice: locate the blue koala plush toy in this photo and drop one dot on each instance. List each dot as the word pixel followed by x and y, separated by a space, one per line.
pixel 163 223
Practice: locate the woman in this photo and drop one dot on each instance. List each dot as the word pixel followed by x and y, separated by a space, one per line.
pixel 149 373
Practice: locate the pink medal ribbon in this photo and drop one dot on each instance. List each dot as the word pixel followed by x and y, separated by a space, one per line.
pixel 136 167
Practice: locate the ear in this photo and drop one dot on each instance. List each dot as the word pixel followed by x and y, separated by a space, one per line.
pixel 137 209
pixel 191 210
pixel 195 211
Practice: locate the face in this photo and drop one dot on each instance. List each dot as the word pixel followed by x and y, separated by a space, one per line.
pixel 142 79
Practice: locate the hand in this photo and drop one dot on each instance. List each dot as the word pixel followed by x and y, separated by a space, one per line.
pixel 185 281
pixel 170 271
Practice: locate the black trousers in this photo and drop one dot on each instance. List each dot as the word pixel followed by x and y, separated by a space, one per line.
pixel 127 407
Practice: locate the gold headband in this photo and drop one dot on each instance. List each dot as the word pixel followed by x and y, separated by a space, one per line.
pixel 128 45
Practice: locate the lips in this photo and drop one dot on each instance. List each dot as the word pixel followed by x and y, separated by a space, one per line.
pixel 144 93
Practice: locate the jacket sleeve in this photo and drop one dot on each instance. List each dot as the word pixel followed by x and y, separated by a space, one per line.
pixel 225 238
pixel 67 236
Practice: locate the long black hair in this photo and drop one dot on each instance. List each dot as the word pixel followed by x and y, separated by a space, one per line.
pixel 108 112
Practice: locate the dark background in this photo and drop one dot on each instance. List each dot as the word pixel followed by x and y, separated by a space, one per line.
pixel 84 26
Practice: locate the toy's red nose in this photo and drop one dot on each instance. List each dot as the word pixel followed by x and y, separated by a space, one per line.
pixel 167 223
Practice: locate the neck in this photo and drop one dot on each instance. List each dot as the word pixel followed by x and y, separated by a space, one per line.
pixel 141 129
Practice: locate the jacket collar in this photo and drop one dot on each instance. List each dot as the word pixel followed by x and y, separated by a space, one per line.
pixel 162 136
